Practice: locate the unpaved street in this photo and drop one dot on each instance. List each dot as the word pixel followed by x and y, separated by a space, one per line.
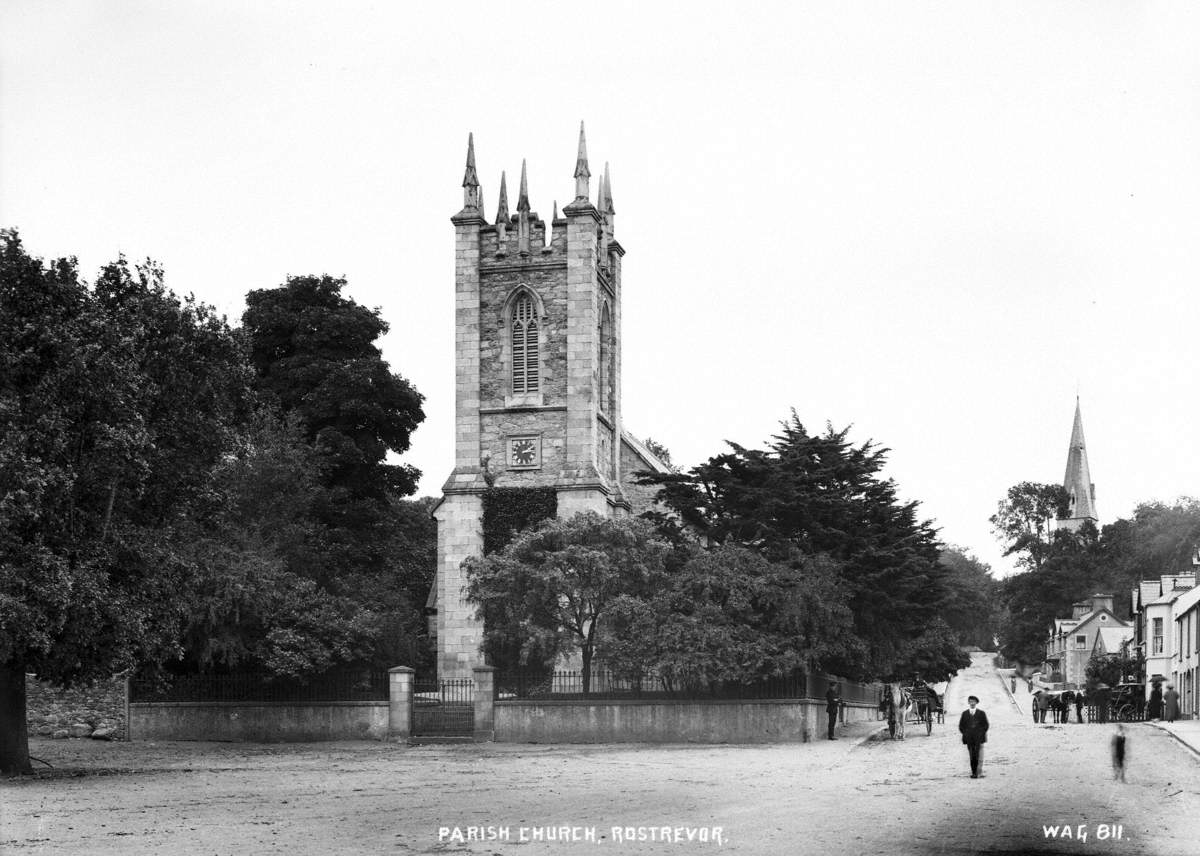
pixel 827 797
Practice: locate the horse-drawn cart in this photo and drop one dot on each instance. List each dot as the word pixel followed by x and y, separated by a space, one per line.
pixel 917 704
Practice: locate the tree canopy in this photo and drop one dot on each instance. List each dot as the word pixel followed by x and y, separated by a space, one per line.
pixel 162 502
pixel 549 591
pixel 819 495
pixel 115 404
pixel 1063 567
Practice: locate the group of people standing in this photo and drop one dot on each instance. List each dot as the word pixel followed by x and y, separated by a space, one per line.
pixel 1163 705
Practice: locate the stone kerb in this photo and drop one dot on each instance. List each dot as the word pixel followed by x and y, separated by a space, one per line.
pixel 400 698
pixel 485 703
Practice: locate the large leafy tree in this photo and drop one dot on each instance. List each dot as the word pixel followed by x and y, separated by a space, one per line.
pixel 315 357
pixel 728 615
pixel 115 404
pixel 1069 569
pixel 820 495
pixel 1024 521
pixel 550 590
pixel 972 610
pixel 314 350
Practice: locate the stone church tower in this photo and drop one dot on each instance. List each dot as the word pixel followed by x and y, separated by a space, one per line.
pixel 1078 481
pixel 537 378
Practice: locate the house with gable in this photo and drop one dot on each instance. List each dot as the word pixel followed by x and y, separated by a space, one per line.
pixel 1072 640
pixel 1185 666
pixel 1154 607
pixel 1113 640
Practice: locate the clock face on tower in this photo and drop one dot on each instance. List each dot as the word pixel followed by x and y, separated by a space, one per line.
pixel 524 453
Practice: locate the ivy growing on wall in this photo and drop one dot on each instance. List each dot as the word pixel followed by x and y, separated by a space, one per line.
pixel 507 510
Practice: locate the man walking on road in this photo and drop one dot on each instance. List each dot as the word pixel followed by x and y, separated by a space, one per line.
pixel 831 707
pixel 973 724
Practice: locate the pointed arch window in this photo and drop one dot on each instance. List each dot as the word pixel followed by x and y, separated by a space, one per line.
pixel 524 345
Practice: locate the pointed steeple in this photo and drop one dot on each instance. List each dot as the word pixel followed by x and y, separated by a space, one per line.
pixel 502 211
pixel 1078 479
pixel 470 177
pixel 523 198
pixel 605 203
pixel 523 215
pixel 582 173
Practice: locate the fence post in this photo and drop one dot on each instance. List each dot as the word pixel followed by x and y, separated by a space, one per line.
pixel 485 703
pixel 400 694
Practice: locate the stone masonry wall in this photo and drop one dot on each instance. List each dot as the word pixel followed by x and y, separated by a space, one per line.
pixel 96 711
pixel 641 497
pixel 551 425
pixel 495 376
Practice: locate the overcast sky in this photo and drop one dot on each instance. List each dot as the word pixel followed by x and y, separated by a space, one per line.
pixel 936 222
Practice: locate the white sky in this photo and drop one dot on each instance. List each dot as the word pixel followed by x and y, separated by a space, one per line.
pixel 936 221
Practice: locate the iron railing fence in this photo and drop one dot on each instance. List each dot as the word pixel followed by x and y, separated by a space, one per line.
pixel 1116 713
pixel 850 692
pixel 359 685
pixel 607 684
pixel 444 690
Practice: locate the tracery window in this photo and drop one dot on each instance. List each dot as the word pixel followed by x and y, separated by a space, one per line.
pixel 524 345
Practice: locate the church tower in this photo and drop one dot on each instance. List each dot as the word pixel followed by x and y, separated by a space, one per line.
pixel 1081 492
pixel 537 376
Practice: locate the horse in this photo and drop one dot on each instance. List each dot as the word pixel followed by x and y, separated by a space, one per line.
pixel 900 705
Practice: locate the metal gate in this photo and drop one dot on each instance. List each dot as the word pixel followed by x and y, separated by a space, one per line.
pixel 443 708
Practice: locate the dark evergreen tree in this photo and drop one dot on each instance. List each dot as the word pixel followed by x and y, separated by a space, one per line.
pixel 820 495
pixel 314 353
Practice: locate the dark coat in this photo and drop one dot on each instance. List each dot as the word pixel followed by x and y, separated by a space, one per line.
pixel 974 728
pixel 831 701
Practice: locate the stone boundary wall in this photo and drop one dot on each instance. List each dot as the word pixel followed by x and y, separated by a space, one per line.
pixel 667 720
pixel 94 710
pixel 263 722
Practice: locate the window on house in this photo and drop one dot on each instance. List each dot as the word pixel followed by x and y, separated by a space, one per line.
pixel 1158 636
pixel 524 346
pixel 1081 641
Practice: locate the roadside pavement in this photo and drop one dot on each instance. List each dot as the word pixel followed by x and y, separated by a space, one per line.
pixel 1186 731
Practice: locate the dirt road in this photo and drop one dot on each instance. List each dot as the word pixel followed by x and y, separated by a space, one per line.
pixel 846 796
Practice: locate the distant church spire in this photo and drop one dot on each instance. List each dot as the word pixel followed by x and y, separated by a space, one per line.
pixel 1078 479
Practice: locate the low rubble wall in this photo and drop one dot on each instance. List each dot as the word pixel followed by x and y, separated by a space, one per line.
pixel 94 710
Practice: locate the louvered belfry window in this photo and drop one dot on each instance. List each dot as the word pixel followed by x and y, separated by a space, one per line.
pixel 524 346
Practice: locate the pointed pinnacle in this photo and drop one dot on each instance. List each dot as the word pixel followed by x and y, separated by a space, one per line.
pixel 523 198
pixel 607 205
pixel 554 216
pixel 502 211
pixel 581 160
pixel 471 178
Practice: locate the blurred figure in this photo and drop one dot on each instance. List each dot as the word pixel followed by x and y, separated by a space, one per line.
pixel 1119 754
pixel 1171 704
pixel 1154 708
